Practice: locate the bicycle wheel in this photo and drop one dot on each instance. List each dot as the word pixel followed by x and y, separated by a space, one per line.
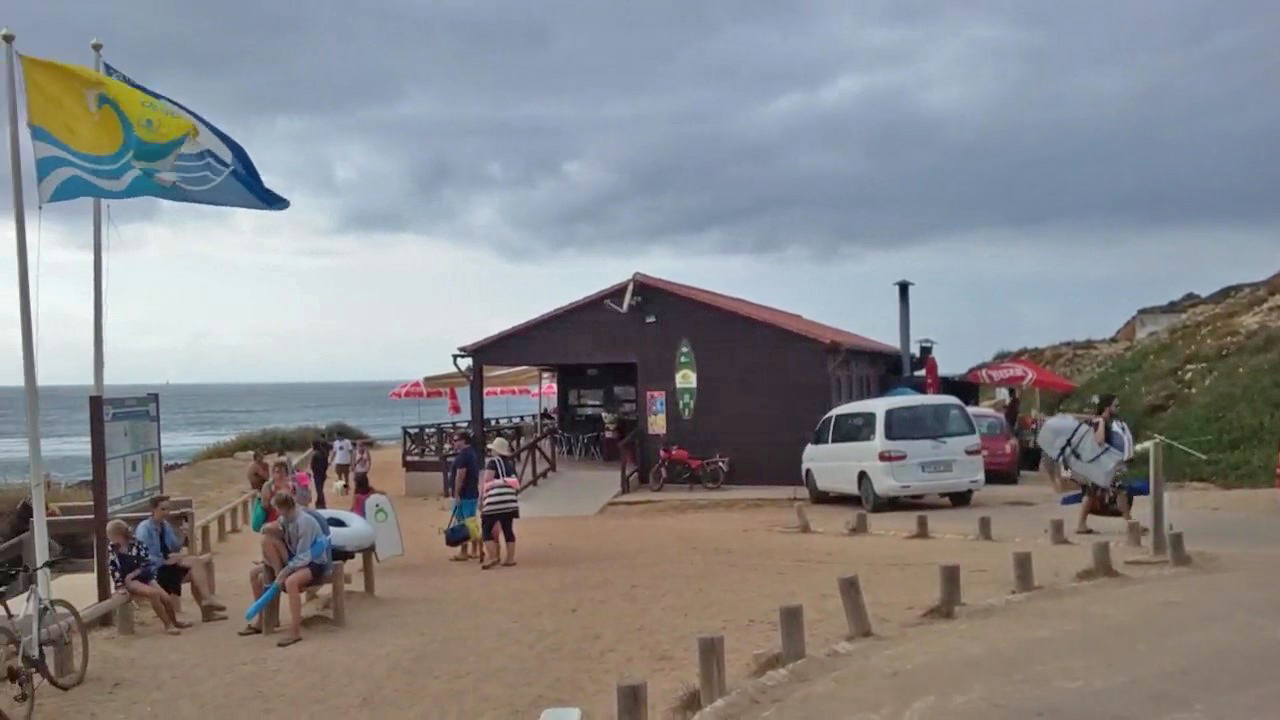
pixel 17 686
pixel 63 629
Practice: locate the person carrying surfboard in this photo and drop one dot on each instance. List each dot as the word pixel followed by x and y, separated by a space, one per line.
pixel 1094 496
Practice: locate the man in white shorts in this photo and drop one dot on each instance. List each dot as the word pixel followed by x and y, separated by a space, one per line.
pixel 340 458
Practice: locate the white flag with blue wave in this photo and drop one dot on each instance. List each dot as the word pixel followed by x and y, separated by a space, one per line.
pixel 211 168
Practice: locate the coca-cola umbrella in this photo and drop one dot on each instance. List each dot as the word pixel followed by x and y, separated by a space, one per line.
pixel 1022 373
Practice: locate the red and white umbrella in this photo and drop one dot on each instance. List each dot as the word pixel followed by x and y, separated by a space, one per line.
pixel 1020 373
pixel 414 389
pixel 549 389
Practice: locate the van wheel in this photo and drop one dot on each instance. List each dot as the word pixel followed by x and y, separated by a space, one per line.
pixel 961 499
pixel 871 502
pixel 816 496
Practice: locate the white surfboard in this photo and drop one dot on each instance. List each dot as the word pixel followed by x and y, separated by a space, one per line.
pixel 386 528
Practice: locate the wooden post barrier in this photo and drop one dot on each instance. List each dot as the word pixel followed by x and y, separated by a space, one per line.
pixel 246 511
pixel 984 528
pixel 1102 566
pixel 124 618
pixel 1058 532
pixel 802 518
pixel 235 518
pixel 949 597
pixel 859 524
pixel 922 527
pixel 1024 576
pixel 633 700
pixel 712 684
pixel 222 527
pixel 338 597
pixel 855 607
pixel 1135 534
pixel 1178 549
pixel 366 568
pixel 206 539
pixel 270 613
pixel 791 626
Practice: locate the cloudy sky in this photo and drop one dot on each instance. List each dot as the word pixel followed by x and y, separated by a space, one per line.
pixel 1039 169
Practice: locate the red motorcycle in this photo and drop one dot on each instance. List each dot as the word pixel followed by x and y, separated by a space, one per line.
pixel 675 464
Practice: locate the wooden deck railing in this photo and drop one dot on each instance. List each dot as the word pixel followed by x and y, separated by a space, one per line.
pixel 431 441
pixel 631 450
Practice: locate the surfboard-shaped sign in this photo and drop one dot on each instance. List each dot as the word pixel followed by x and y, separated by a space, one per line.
pixel 686 380
pixel 386 528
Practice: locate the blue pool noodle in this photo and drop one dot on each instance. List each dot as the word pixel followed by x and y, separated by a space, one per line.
pixel 272 591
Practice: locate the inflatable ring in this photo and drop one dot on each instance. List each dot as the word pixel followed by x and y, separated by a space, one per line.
pixel 348 531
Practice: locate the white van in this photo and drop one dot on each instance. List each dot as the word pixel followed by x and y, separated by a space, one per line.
pixel 887 447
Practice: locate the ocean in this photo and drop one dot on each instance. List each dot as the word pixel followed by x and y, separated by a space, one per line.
pixel 195 416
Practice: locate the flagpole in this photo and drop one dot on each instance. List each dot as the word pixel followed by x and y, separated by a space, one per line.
pixel 99 353
pixel 39 522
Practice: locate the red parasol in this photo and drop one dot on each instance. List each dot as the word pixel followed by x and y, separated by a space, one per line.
pixel 455 407
pixel 1020 373
pixel 932 384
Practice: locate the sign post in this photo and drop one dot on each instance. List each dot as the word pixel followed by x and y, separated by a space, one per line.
pixel 128 466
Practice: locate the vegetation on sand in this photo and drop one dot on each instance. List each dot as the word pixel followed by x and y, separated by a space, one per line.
pixel 276 440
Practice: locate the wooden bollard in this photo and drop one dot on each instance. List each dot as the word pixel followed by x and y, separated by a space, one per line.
pixel 633 700
pixel 802 518
pixel 855 606
pixel 1024 576
pixel 235 519
pixel 711 669
pixel 859 524
pixel 222 527
pixel 1178 549
pixel 63 657
pixel 366 567
pixel 791 626
pixel 922 527
pixel 206 539
pixel 1135 534
pixel 246 513
pixel 124 618
pixel 984 528
pixel 949 597
pixel 1102 566
pixel 1058 532
pixel 338 594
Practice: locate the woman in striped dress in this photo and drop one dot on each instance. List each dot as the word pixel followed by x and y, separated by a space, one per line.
pixel 499 503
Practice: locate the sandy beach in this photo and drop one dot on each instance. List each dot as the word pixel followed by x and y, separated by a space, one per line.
pixel 594 599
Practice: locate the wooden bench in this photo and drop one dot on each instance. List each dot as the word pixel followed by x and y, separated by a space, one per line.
pixel 338 599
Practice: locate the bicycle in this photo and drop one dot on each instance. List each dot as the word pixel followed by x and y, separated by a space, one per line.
pixel 54 624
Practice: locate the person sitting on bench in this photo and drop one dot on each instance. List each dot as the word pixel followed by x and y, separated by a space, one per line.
pixel 309 562
pixel 171 566
pixel 131 572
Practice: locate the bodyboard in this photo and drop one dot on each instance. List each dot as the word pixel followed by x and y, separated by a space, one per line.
pixel 386 528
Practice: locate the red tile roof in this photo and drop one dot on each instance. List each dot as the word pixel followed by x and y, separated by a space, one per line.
pixel 780 319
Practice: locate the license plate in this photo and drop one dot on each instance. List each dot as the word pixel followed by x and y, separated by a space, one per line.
pixel 942 466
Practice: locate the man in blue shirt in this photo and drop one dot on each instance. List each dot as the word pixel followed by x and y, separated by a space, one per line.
pixel 171 566
pixel 465 474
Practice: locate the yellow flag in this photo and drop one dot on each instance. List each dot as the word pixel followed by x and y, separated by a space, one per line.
pixel 91 131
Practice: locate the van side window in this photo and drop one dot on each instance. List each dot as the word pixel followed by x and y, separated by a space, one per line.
pixel 822 432
pixel 853 427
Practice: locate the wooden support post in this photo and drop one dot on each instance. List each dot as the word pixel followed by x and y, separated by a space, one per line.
pixel 859 524
pixel 1058 532
pixel 338 594
pixel 855 607
pixel 922 527
pixel 1135 534
pixel 1159 539
pixel 984 528
pixel 222 528
pixel 366 568
pixel 1102 566
pixel 206 539
pixel 711 669
pixel 633 700
pixel 949 597
pixel 1178 549
pixel 63 659
pixel 791 626
pixel 235 519
pixel 270 613
pixel 1024 576
pixel 213 577
pixel 124 618
pixel 802 518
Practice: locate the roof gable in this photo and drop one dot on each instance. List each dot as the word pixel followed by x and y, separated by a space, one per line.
pixel 781 319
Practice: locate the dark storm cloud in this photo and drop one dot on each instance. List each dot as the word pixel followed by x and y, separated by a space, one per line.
pixel 734 126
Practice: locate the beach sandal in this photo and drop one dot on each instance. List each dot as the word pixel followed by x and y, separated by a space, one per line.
pixel 455 558
pixel 172 631
pixel 181 625
pixel 489 565
pixel 249 630
pixel 288 641
pixel 215 605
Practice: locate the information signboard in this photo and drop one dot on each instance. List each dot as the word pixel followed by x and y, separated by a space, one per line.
pixel 130 446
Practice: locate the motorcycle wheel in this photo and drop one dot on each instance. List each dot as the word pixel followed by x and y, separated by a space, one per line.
pixel 658 477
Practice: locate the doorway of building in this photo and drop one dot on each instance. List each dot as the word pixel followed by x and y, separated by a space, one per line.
pixel 596 409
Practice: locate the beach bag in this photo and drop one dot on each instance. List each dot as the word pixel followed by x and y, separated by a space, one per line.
pixel 458 532
pixel 259 517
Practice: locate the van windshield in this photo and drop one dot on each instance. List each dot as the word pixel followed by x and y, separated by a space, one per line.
pixel 927 422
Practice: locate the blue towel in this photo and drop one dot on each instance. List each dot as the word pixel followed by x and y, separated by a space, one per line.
pixel 1136 489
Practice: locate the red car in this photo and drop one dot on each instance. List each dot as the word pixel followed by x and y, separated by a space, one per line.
pixel 999 447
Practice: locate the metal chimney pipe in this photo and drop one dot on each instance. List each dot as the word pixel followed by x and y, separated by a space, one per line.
pixel 904 324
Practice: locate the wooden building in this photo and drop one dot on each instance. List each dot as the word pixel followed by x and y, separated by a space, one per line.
pixel 713 373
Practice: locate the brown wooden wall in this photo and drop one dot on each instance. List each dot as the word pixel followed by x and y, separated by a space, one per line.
pixel 761 390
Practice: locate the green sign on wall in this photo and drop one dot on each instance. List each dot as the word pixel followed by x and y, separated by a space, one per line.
pixel 686 380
